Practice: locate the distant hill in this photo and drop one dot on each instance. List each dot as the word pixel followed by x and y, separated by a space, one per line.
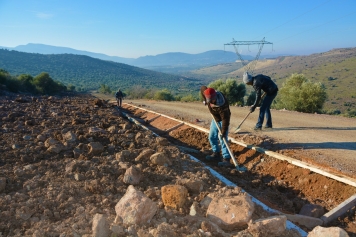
pixel 89 73
pixel 160 62
pixel 208 58
pixel 171 63
pixel 48 49
pixel 336 69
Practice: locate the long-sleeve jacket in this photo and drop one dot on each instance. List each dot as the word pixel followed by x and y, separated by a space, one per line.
pixel 264 83
pixel 118 94
pixel 220 112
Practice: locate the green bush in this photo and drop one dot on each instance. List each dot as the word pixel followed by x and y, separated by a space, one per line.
pixel 41 84
pixel 4 76
pixel 138 92
pixel 188 98
pixel 299 94
pixel 350 113
pixel 71 87
pixel 163 95
pixel 332 112
pixel 178 97
pixel 251 98
pixel 26 82
pixel 13 84
pixel 234 92
pixel 104 89
pixel 46 85
pixel 149 94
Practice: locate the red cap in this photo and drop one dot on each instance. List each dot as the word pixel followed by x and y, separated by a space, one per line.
pixel 210 94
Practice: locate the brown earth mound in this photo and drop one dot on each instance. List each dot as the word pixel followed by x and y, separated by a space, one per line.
pixel 66 159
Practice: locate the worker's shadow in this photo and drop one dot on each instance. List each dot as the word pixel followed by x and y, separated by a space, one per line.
pixel 312 128
pixel 320 145
pixel 243 132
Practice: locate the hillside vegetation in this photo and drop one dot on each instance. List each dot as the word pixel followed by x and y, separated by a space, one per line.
pixel 89 73
pixel 39 85
pixel 335 69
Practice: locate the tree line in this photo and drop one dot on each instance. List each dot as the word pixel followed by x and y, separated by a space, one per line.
pixel 40 84
pixel 296 94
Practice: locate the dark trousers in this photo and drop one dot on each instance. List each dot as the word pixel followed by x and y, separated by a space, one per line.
pixel 119 101
pixel 265 110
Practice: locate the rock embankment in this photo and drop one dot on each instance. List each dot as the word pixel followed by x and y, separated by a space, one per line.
pixel 73 166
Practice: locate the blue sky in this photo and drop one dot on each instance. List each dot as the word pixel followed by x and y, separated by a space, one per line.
pixel 134 28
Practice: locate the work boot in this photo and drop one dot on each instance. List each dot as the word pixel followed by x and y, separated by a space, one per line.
pixel 241 168
pixel 257 128
pixel 225 163
pixel 214 156
pixel 267 127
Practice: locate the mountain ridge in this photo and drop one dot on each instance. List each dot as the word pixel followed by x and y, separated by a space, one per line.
pixel 170 59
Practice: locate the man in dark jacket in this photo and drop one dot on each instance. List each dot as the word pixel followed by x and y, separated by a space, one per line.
pixel 218 106
pixel 262 83
pixel 118 96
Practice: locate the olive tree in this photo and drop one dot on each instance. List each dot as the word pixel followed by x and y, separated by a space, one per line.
pixel 234 92
pixel 139 92
pixel 299 94
pixel 4 76
pixel 163 95
pixel 26 81
pixel 251 98
pixel 105 89
pixel 46 85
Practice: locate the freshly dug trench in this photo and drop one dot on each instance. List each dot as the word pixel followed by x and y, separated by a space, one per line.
pixel 278 184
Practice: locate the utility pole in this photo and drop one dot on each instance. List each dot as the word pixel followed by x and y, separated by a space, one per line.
pixel 251 66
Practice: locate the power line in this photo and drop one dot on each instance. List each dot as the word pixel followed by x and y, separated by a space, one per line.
pixel 318 26
pixel 350 29
pixel 297 17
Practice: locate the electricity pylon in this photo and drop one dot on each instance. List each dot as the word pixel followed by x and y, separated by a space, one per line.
pixel 251 65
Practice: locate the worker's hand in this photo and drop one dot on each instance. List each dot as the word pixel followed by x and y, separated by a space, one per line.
pixel 252 109
pixel 220 137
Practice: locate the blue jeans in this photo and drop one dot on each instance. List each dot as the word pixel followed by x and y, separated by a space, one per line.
pixel 265 110
pixel 214 140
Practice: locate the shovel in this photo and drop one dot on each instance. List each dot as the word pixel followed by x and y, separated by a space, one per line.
pixel 238 127
pixel 239 168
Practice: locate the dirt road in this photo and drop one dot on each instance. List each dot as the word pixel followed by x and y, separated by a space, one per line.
pixel 326 140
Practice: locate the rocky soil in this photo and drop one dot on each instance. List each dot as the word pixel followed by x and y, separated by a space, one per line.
pixel 276 183
pixel 74 166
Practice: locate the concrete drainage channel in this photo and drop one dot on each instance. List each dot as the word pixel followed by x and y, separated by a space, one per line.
pixel 325 219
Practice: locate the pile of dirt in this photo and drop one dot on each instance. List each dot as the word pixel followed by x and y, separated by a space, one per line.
pixel 67 159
